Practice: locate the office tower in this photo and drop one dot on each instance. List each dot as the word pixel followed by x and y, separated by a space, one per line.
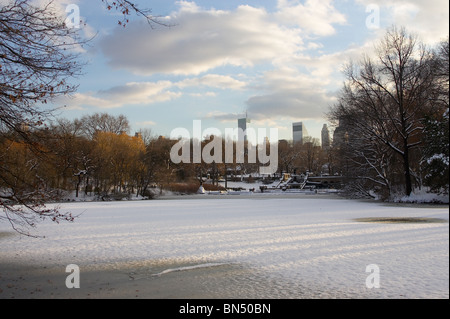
pixel 242 125
pixel 325 137
pixel 299 132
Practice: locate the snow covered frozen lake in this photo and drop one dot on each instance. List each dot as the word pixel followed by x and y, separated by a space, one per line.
pixel 267 246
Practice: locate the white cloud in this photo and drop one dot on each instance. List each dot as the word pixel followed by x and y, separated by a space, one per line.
pixel 201 40
pixel 294 104
pixel 139 93
pixel 428 19
pixel 205 94
pixel 312 16
pixel 285 93
pixel 291 93
pixel 146 93
pixel 146 123
pixel 133 93
pixel 214 81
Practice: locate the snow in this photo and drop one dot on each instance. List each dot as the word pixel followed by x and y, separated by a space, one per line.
pixel 207 265
pixel 294 241
pixel 201 190
pixel 422 196
pixel 439 157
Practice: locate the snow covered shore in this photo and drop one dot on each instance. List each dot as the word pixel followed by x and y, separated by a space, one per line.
pixel 292 242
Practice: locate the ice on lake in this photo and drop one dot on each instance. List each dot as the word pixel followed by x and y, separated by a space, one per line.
pixel 255 246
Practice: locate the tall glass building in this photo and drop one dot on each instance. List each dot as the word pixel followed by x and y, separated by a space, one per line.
pixel 242 124
pixel 299 132
pixel 326 142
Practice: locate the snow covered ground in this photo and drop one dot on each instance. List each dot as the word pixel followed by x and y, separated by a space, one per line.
pixel 305 246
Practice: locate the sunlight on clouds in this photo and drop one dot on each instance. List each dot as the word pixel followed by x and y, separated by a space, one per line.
pixel 138 93
pixel 300 103
pixel 428 19
pixel 313 17
pixel 204 94
pixel 146 123
pixel 201 41
pixel 128 94
pixel 246 37
pixel 213 80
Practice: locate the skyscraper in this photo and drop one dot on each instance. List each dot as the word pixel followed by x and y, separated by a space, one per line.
pixel 242 125
pixel 299 132
pixel 325 137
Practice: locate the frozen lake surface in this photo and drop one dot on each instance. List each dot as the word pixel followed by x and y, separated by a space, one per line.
pixel 250 247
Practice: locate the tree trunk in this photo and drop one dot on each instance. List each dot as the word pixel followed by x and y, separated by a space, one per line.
pixel 407 172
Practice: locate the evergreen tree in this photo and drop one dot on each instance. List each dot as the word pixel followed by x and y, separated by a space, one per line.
pixel 436 153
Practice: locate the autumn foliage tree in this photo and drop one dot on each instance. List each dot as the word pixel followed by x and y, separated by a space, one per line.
pixel 117 159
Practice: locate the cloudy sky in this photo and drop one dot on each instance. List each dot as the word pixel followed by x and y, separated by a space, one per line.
pixel 278 60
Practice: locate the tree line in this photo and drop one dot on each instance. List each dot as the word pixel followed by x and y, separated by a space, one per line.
pixel 96 155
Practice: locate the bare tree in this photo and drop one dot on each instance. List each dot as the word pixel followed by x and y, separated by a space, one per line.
pixel 384 102
pixel 104 122
pixel 37 63
pixel 287 156
pixel 126 7
pixel 309 154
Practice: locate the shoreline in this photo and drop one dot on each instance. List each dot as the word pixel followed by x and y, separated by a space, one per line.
pixel 265 196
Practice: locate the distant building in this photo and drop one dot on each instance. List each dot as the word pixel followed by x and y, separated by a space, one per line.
pixel 242 124
pixel 299 132
pixel 326 143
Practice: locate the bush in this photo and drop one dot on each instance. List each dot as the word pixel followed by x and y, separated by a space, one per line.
pixel 184 188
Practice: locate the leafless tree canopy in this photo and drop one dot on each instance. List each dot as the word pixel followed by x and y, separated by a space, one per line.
pixel 383 106
pixel 104 122
pixel 37 63
pixel 38 60
pixel 126 8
